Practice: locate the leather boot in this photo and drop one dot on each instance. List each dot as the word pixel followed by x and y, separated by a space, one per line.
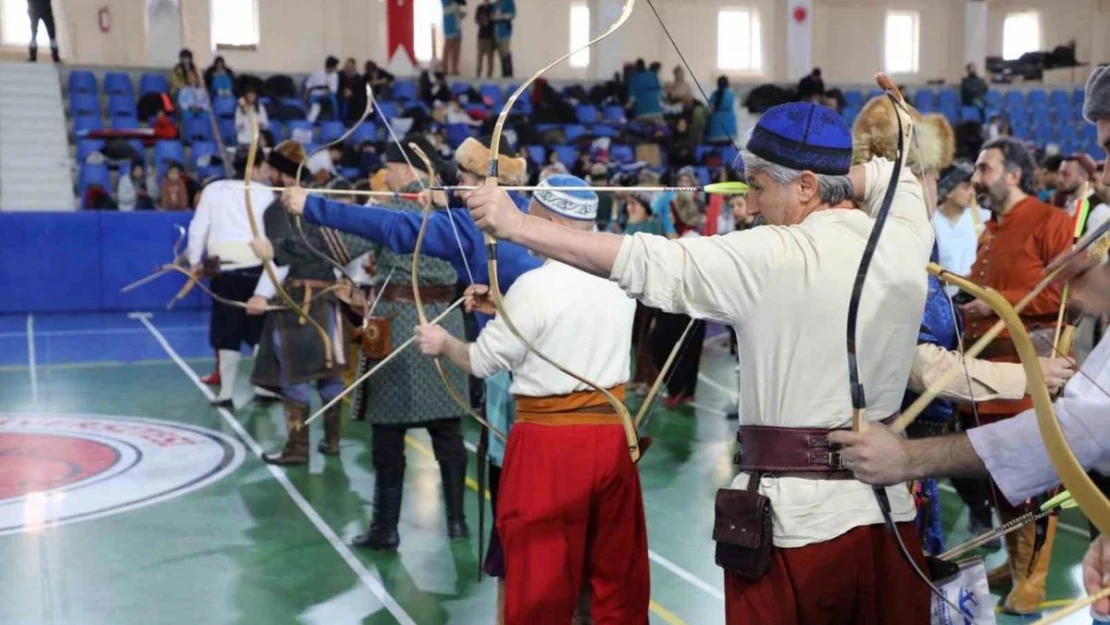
pixel 32 54
pixel 1002 575
pixel 296 444
pixel 330 445
pixel 454 483
pixel 382 534
pixel 1030 570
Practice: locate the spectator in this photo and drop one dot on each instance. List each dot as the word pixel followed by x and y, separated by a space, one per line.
pixel 247 104
pixel 483 16
pixel 322 163
pixel 163 126
pixel 191 99
pixel 453 15
pixel 126 195
pixel 322 84
pixel 1047 176
pixel 721 127
pixel 644 93
pixel 378 78
pixel 679 93
pixel 504 11
pixel 973 89
pixel 1075 187
pixel 175 192
pixel 369 160
pixel 810 88
pixel 683 143
pixel 957 221
pixel 435 90
pixel 352 92
pixel 41 10
pixel 219 78
pixel 179 75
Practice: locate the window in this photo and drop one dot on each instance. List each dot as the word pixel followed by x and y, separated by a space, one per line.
pixel 739 41
pixel 902 42
pixel 16 26
pixel 427 18
pixel 234 23
pixel 579 34
pixel 1021 33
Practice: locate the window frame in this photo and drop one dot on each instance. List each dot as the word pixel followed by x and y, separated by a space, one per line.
pixel 1036 17
pixel 915 42
pixel 755 66
pixel 576 60
pixel 23 18
pixel 219 46
pixel 435 43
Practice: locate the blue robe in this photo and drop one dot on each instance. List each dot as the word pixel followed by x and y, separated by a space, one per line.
pixel 398 231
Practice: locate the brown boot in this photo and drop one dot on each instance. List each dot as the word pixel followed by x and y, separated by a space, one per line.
pixel 296 445
pixel 1030 570
pixel 330 445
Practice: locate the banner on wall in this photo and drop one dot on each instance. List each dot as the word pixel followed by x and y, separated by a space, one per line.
pixel 399 35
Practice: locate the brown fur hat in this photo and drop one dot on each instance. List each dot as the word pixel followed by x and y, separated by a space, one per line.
pixel 875 133
pixel 473 156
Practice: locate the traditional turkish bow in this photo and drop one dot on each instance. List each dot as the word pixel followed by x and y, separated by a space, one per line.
pixel 267 265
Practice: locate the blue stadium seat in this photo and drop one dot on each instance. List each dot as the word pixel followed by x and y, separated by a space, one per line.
pixel 874 93
pixel 228 133
pixel 166 151
pixel 301 130
pixel 614 113
pixel 948 98
pixel 1089 133
pixel 456 134
pixel 366 131
pixel 1018 116
pixel 622 153
pixel 1068 146
pixel 853 98
pixel 587 114
pixel 925 98
pixel 951 112
pixel 850 113
pixel 331 130
pixel 81 81
pixel 153 83
pixel 90 174
pixel 118 83
pixel 83 104
pixel 85 147
pixel 567 154
pixel 405 90
pixel 1042 134
pixel 459 88
pixel 85 123
pixel 1037 95
pixel 122 106
pixel 703 175
pixel 537 154
pixel 291 106
pixel 1077 97
pixel 494 93
pixel 197 127
pixel 971 114
pixel 1014 99
pixel 1067 132
pixel 1059 97
pixel 731 157
pixel 604 130
pixel 124 122
pixel 224 107
pixel 199 149
pixel 389 109
pixel 575 132
pixel 994 99
pixel 702 151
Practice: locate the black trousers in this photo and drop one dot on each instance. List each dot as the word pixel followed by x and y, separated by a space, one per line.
pixel 388 448
pixel 42 11
pixel 683 377
pixel 230 326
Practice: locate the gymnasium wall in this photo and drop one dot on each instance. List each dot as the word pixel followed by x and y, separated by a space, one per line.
pixel 53 262
pixel 847 35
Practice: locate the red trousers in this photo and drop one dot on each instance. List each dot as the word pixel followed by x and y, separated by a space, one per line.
pixel 570 511
pixel 858 578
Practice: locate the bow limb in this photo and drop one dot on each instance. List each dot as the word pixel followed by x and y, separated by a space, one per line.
pixel 267 265
pixel 1091 501
pixel 420 314
pixel 631 437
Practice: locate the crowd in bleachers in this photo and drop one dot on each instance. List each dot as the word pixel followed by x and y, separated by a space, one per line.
pixel 182 128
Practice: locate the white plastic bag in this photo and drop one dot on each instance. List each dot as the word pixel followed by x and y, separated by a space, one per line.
pixel 970 593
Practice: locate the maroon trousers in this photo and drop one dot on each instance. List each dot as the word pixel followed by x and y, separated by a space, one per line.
pixel 570 512
pixel 858 578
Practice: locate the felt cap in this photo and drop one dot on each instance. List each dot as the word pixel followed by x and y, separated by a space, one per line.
pixel 561 193
pixel 803 136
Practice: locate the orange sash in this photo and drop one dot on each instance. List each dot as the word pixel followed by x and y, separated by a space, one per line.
pixel 581 408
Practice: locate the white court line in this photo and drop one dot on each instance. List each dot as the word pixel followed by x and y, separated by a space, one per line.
pixel 1067 527
pixel 682 573
pixel 717 385
pixel 31 359
pixel 369 579
pixel 104 331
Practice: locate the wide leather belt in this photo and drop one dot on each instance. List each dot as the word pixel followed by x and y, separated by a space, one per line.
pixel 791 452
pixel 403 293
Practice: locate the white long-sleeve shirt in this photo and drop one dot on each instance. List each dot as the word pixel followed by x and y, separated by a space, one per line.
pixel 220 226
pixel 785 290
pixel 957 243
pixel 580 321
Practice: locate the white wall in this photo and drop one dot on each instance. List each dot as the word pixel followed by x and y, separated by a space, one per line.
pixel 847 34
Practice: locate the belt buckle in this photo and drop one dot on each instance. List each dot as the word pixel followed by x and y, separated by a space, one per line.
pixel 830 458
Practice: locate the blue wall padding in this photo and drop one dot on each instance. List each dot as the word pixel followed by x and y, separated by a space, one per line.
pixel 52 262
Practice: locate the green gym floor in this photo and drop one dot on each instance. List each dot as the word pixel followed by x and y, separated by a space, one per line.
pixel 241 542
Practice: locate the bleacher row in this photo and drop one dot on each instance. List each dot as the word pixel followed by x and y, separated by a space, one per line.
pixel 1038 116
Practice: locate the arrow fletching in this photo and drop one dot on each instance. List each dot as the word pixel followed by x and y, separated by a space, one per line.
pixel 726 188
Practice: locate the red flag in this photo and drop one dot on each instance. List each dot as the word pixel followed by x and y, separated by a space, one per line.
pixel 399 16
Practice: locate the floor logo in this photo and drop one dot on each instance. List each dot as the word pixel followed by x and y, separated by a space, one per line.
pixel 61 468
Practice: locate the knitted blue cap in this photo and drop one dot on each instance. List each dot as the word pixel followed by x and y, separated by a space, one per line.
pixel 559 193
pixel 803 136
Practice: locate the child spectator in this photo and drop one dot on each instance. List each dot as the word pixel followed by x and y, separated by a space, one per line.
pixel 175 193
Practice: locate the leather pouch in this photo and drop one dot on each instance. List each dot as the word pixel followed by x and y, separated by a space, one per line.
pixel 742 531
pixel 376 338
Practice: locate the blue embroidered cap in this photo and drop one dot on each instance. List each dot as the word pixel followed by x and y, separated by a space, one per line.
pixel 559 194
pixel 803 136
